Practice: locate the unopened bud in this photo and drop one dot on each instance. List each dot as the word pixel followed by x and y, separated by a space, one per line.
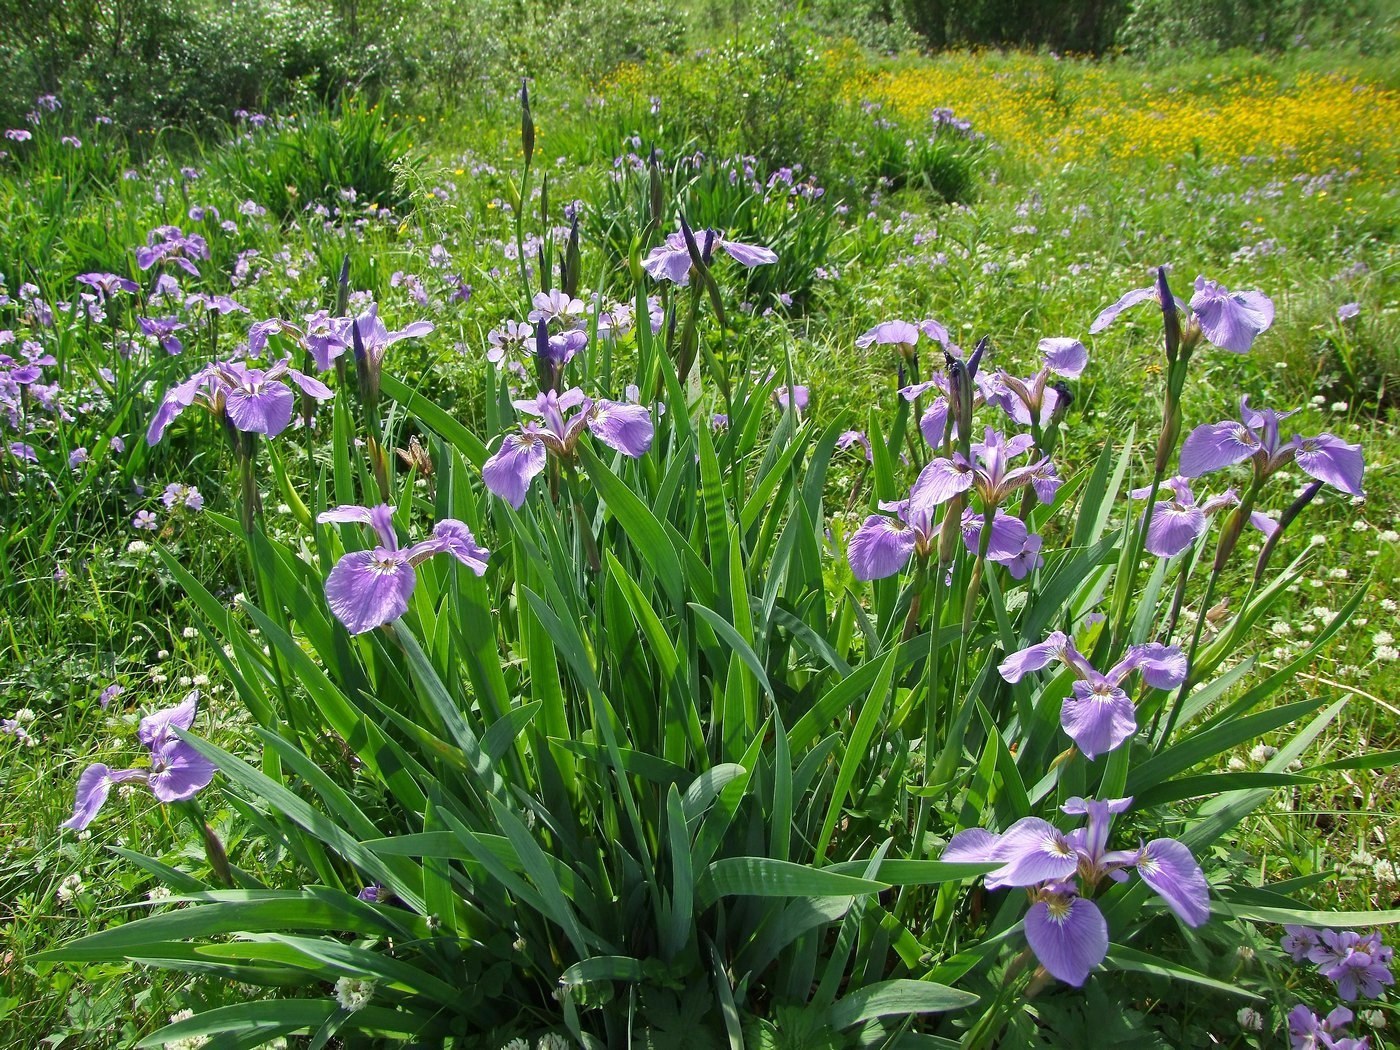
pixel 527 123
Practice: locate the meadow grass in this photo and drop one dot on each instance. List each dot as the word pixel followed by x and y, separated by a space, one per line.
pixel 1263 175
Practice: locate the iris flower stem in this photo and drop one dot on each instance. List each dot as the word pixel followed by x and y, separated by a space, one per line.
pixel 1183 576
pixel 1175 712
pixel 590 545
pixel 1177 364
pixel 931 703
pixel 952 747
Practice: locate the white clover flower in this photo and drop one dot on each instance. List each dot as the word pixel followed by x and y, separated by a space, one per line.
pixel 1390 536
pixel 1323 613
pixel 1236 764
pixel 353 993
pixel 1379 638
pixel 1359 525
pixel 1339 406
pixel 1316 540
pixel 552 1041
pixel 1245 953
pixel 25 714
pixel 69 888
pixel 516 1044
pixel 1250 1019
pixel 190 632
pixel 1261 753
pixel 136 547
pixel 1281 628
pixel 200 680
pixel 1373 1019
pixel 1387 653
pixel 158 894
pixel 1337 574
pixel 1389 605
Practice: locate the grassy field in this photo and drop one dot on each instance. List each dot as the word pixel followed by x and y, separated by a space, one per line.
pixel 1078 179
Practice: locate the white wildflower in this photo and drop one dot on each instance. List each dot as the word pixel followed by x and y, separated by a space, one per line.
pixel 1261 753
pixel 352 993
pixel 69 888
pixel 1250 1019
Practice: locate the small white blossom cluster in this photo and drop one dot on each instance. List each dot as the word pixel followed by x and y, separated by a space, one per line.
pixel 193 1042
pixel 353 993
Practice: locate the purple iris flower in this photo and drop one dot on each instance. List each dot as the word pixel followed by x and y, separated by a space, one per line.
pixel 989 473
pixel 556 307
pixel 367 589
pixel 903 335
pixel 625 427
pixel 376 337
pixel 253 400
pixel 163 330
pixel 796 396
pixel 1098 715
pixel 513 339
pixel 1307 1031
pixel 1358 964
pixel 170 242
pixel 671 261
pixel 1229 320
pixel 851 438
pixel 177 771
pixel 1033 400
pixel 1066 930
pixel 1178 522
pixel 1255 436
pixel 107 284
pixel 1011 544
pixel 883 545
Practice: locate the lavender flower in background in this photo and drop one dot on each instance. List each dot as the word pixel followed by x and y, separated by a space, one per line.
pixel 1228 320
pixel 177 771
pixel 1307 1031
pixel 901 335
pixel 109 694
pixel 1066 930
pixel 162 330
pixel 1359 965
pixel 855 438
pixel 625 427
pixel 107 284
pixel 512 340
pixel 1256 437
pixel 671 261
pixel 1098 715
pixel 367 589
pixel 1348 311
pixel 795 397
pixel 170 243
